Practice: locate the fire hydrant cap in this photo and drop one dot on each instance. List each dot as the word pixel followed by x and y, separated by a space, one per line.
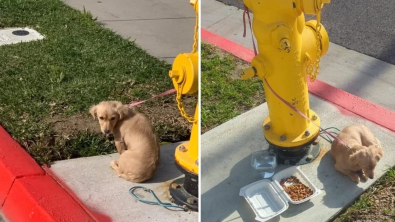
pixel 185 72
pixel 325 38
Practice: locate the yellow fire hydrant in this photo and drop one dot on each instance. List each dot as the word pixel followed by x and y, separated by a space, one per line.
pixel 289 50
pixel 185 77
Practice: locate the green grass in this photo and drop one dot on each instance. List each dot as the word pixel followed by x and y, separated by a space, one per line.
pixel 83 144
pixel 78 64
pixel 223 97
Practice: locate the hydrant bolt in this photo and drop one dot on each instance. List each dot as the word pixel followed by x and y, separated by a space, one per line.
pixel 285 45
pixel 283 138
pixel 267 126
pixel 307 133
pixel 314 117
pixel 182 148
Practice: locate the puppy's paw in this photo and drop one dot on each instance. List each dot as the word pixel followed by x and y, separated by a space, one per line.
pixel 114 164
pixel 364 177
pixel 355 179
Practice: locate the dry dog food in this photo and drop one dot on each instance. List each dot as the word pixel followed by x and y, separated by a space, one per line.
pixel 296 190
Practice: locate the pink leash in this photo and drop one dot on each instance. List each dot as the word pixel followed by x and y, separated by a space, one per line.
pixel 160 95
pixel 246 11
pixel 300 113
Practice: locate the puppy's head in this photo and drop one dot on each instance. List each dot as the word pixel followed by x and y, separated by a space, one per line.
pixel 109 113
pixel 366 158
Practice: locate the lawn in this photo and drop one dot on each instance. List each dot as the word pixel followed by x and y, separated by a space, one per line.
pixel 224 94
pixel 48 86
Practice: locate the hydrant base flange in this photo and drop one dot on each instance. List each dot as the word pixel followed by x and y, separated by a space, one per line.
pixel 297 155
pixel 184 191
pixel 181 196
pixel 291 141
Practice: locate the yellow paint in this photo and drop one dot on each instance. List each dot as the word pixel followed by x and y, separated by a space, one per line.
pixel 185 77
pixel 185 71
pixel 188 156
pixel 287 47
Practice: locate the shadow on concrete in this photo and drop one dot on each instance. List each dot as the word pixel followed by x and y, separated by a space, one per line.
pixel 337 194
pixel 227 196
pixel 167 169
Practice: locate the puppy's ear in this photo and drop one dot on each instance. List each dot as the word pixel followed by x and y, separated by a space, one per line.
pixel 122 110
pixel 378 153
pixel 92 111
pixel 354 158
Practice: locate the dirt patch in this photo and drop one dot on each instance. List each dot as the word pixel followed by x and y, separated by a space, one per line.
pixel 323 151
pixel 164 191
pixel 164 115
pixel 382 209
pixel 240 64
pixel 167 120
pixel 70 125
pixel 240 67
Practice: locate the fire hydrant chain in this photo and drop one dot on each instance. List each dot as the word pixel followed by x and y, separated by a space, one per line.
pixel 196 35
pixel 318 38
pixel 181 105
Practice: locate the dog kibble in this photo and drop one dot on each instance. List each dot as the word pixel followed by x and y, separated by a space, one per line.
pixel 297 190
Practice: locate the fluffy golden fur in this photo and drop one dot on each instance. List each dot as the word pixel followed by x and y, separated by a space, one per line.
pixel 135 140
pixel 362 156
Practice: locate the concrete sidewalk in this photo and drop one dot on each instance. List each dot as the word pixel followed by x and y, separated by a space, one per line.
pixel 222 177
pixel 97 186
pixel 226 167
pixel 163 28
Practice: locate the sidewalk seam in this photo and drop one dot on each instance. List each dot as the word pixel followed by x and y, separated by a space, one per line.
pixel 221 20
pixel 148 19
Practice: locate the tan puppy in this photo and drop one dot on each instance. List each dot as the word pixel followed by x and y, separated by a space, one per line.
pixel 134 137
pixel 362 156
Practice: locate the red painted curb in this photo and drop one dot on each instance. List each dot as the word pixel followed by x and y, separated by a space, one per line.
pixel 338 97
pixel 240 51
pixel 95 215
pixel 15 162
pixel 40 198
pixel 27 193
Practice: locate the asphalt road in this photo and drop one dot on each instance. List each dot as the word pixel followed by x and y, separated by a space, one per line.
pixel 365 26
